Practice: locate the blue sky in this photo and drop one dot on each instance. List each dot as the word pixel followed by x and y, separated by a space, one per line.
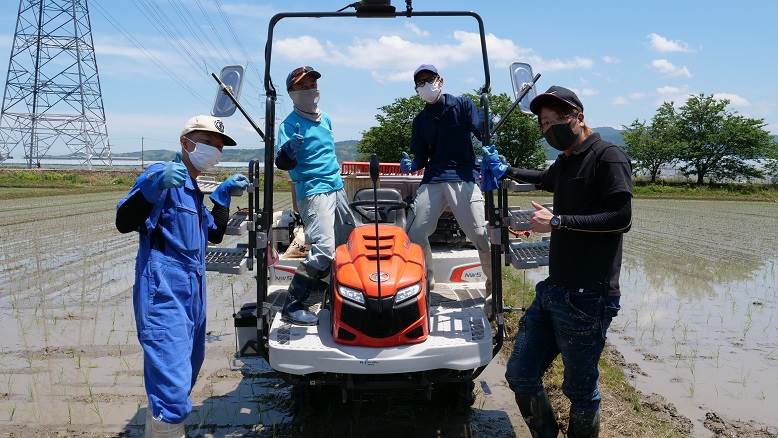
pixel 623 58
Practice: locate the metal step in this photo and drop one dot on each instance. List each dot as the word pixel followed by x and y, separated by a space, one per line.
pixel 207 184
pixel 226 260
pixel 529 255
pixel 521 187
pixel 237 224
pixel 519 220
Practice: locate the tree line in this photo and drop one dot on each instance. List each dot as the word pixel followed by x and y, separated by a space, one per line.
pixel 702 138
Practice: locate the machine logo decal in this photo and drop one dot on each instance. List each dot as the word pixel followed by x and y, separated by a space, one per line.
pixel 374 277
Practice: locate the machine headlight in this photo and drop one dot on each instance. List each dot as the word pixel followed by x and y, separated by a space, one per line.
pixel 407 293
pixel 352 294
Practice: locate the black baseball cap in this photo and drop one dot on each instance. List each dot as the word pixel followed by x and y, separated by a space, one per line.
pixel 555 94
pixel 297 74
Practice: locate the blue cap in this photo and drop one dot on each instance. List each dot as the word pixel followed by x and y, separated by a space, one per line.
pixel 425 67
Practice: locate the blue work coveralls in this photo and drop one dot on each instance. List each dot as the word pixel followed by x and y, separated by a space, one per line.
pixel 169 296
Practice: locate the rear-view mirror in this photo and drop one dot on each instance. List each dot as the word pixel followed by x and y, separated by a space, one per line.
pixel 522 76
pixel 232 77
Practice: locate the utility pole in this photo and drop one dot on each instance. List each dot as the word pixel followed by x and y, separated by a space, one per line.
pixel 52 95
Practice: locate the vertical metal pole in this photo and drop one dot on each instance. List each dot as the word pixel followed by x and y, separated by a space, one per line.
pixel 34 115
pixel 254 178
pixel 99 86
pixel 141 153
pixel 84 138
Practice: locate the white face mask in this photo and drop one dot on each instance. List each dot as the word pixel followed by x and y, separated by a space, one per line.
pixel 306 100
pixel 430 92
pixel 204 156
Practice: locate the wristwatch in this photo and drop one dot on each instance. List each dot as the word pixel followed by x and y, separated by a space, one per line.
pixel 556 222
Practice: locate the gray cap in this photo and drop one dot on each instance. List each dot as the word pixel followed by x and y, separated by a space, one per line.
pixel 425 67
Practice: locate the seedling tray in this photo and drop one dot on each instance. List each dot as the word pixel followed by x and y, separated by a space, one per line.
pixel 237 224
pixel 529 255
pixel 225 260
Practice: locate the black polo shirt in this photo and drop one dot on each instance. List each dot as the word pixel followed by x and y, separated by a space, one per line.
pixel 581 182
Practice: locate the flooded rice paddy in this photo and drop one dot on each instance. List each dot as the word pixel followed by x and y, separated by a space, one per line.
pixel 699 299
pixel 70 363
pixel 699 302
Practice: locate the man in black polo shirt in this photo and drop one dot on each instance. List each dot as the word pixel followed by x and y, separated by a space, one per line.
pixel 573 307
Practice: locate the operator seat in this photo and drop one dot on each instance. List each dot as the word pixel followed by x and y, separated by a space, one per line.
pixel 365 214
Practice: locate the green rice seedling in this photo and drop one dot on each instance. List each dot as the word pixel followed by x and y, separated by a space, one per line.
pixel 11 412
pixel 749 321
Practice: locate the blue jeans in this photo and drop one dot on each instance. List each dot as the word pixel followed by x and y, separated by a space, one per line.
pixel 573 323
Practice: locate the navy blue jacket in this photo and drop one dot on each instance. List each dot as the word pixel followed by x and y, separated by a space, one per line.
pixel 441 140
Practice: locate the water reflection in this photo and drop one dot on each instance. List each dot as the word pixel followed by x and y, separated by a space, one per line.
pixel 699 297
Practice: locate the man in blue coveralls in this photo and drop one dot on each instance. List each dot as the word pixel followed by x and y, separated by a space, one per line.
pixel 166 208
pixel 442 146
pixel 306 148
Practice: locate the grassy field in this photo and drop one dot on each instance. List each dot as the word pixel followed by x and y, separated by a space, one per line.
pixel 16 184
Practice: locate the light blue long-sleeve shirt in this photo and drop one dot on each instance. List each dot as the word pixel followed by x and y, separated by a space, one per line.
pixel 317 169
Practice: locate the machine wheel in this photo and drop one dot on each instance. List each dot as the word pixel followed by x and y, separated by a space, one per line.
pixel 306 397
pixel 457 395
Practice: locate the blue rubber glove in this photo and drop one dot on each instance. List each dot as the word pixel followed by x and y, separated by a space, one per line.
pixel 294 144
pixel 174 174
pixel 493 162
pixel 407 165
pixel 232 186
pixel 492 169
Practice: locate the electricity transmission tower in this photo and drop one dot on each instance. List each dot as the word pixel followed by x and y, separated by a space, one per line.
pixel 52 91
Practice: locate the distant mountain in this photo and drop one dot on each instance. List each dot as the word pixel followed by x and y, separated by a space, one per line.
pixel 345 150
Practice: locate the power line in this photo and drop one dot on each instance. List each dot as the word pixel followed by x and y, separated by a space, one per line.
pixel 116 25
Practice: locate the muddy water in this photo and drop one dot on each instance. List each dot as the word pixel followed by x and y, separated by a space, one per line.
pixel 700 282
pixel 700 306
pixel 70 364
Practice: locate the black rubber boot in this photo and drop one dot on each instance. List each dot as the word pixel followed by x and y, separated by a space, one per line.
pixel 537 413
pixel 304 282
pixel 584 425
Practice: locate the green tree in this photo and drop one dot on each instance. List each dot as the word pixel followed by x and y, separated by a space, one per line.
pixel 653 146
pixel 518 139
pixel 719 144
pixel 392 136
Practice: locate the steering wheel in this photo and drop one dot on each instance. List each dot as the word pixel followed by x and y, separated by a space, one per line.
pixel 384 206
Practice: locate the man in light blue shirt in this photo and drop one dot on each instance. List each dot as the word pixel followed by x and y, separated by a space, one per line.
pixel 306 149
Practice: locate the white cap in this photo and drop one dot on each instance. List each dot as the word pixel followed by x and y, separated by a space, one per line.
pixel 207 123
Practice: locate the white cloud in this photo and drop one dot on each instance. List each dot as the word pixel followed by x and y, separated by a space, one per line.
pixel 638 95
pixel 394 58
pixel 664 45
pixel 734 99
pixel 585 91
pixel 416 29
pixel 668 90
pixel 610 60
pixel 670 93
pixel 620 100
pixel 668 68
pixel 301 48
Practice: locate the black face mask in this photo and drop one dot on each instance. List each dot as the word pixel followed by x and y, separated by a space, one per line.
pixel 561 136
